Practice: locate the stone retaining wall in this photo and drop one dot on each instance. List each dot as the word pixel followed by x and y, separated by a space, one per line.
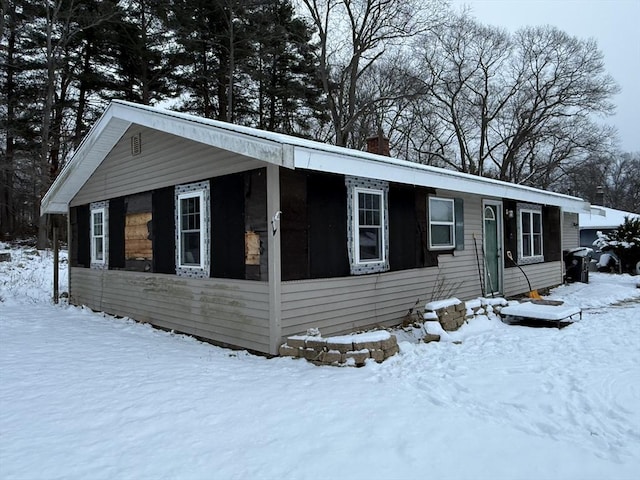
pixel 353 350
pixel 451 314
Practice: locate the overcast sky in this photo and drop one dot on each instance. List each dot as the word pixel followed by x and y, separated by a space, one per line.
pixel 615 25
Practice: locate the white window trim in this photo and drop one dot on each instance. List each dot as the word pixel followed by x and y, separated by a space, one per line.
pixel 94 253
pixel 533 258
pixel 94 257
pixel 451 224
pixel 356 226
pixel 182 196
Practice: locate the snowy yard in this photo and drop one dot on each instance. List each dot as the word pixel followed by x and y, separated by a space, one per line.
pixel 88 396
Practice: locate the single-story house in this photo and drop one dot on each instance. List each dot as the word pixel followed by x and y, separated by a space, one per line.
pixel 600 219
pixel 245 237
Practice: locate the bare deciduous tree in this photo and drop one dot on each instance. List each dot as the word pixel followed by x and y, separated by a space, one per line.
pixel 515 107
pixel 353 35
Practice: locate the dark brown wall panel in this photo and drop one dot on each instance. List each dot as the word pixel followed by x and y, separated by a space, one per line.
pixel 327 214
pixel 403 225
pixel 510 233
pixel 551 234
pixel 293 225
pixel 227 226
pixel 116 232
pixel 163 230
pixel 255 220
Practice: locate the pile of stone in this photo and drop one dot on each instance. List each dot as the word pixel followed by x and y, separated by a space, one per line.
pixel 450 313
pixel 485 306
pixel 351 350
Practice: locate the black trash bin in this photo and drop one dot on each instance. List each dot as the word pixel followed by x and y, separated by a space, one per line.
pixel 576 264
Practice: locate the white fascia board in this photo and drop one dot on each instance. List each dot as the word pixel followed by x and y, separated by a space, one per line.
pixel 102 137
pixel 598 211
pixel 385 168
pixel 120 115
pixel 209 132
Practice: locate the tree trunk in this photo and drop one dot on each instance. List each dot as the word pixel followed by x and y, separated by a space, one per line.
pixel 7 211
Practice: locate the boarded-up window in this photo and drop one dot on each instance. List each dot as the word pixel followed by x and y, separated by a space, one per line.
pixel 136 236
pixel 138 247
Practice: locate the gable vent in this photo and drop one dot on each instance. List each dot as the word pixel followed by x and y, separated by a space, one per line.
pixel 136 144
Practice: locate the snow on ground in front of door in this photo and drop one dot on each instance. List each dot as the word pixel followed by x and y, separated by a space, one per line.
pixel 85 395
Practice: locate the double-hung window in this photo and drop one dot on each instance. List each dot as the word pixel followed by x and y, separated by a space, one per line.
pixel 98 236
pixel 191 229
pixel 442 223
pixel 530 234
pixel 369 227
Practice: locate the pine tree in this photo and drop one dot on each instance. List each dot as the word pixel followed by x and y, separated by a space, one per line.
pixel 283 69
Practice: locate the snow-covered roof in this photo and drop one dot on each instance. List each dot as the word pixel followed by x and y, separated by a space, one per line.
pixel 604 217
pixel 278 149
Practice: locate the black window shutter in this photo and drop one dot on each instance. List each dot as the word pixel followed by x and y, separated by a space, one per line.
pixel 80 236
pixel 459 217
pixel 551 234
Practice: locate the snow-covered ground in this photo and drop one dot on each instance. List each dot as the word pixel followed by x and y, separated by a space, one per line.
pixel 88 396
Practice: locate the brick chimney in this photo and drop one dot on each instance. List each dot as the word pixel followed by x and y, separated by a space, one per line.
pixel 378 144
pixel 600 195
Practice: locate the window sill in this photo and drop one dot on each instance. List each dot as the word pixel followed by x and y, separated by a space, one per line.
pixel 369 267
pixel 530 260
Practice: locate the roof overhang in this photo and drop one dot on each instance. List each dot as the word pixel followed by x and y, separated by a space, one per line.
pixel 604 218
pixel 277 149
pixel 120 115
pixel 332 159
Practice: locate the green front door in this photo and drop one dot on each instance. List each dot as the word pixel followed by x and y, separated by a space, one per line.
pixel 492 249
